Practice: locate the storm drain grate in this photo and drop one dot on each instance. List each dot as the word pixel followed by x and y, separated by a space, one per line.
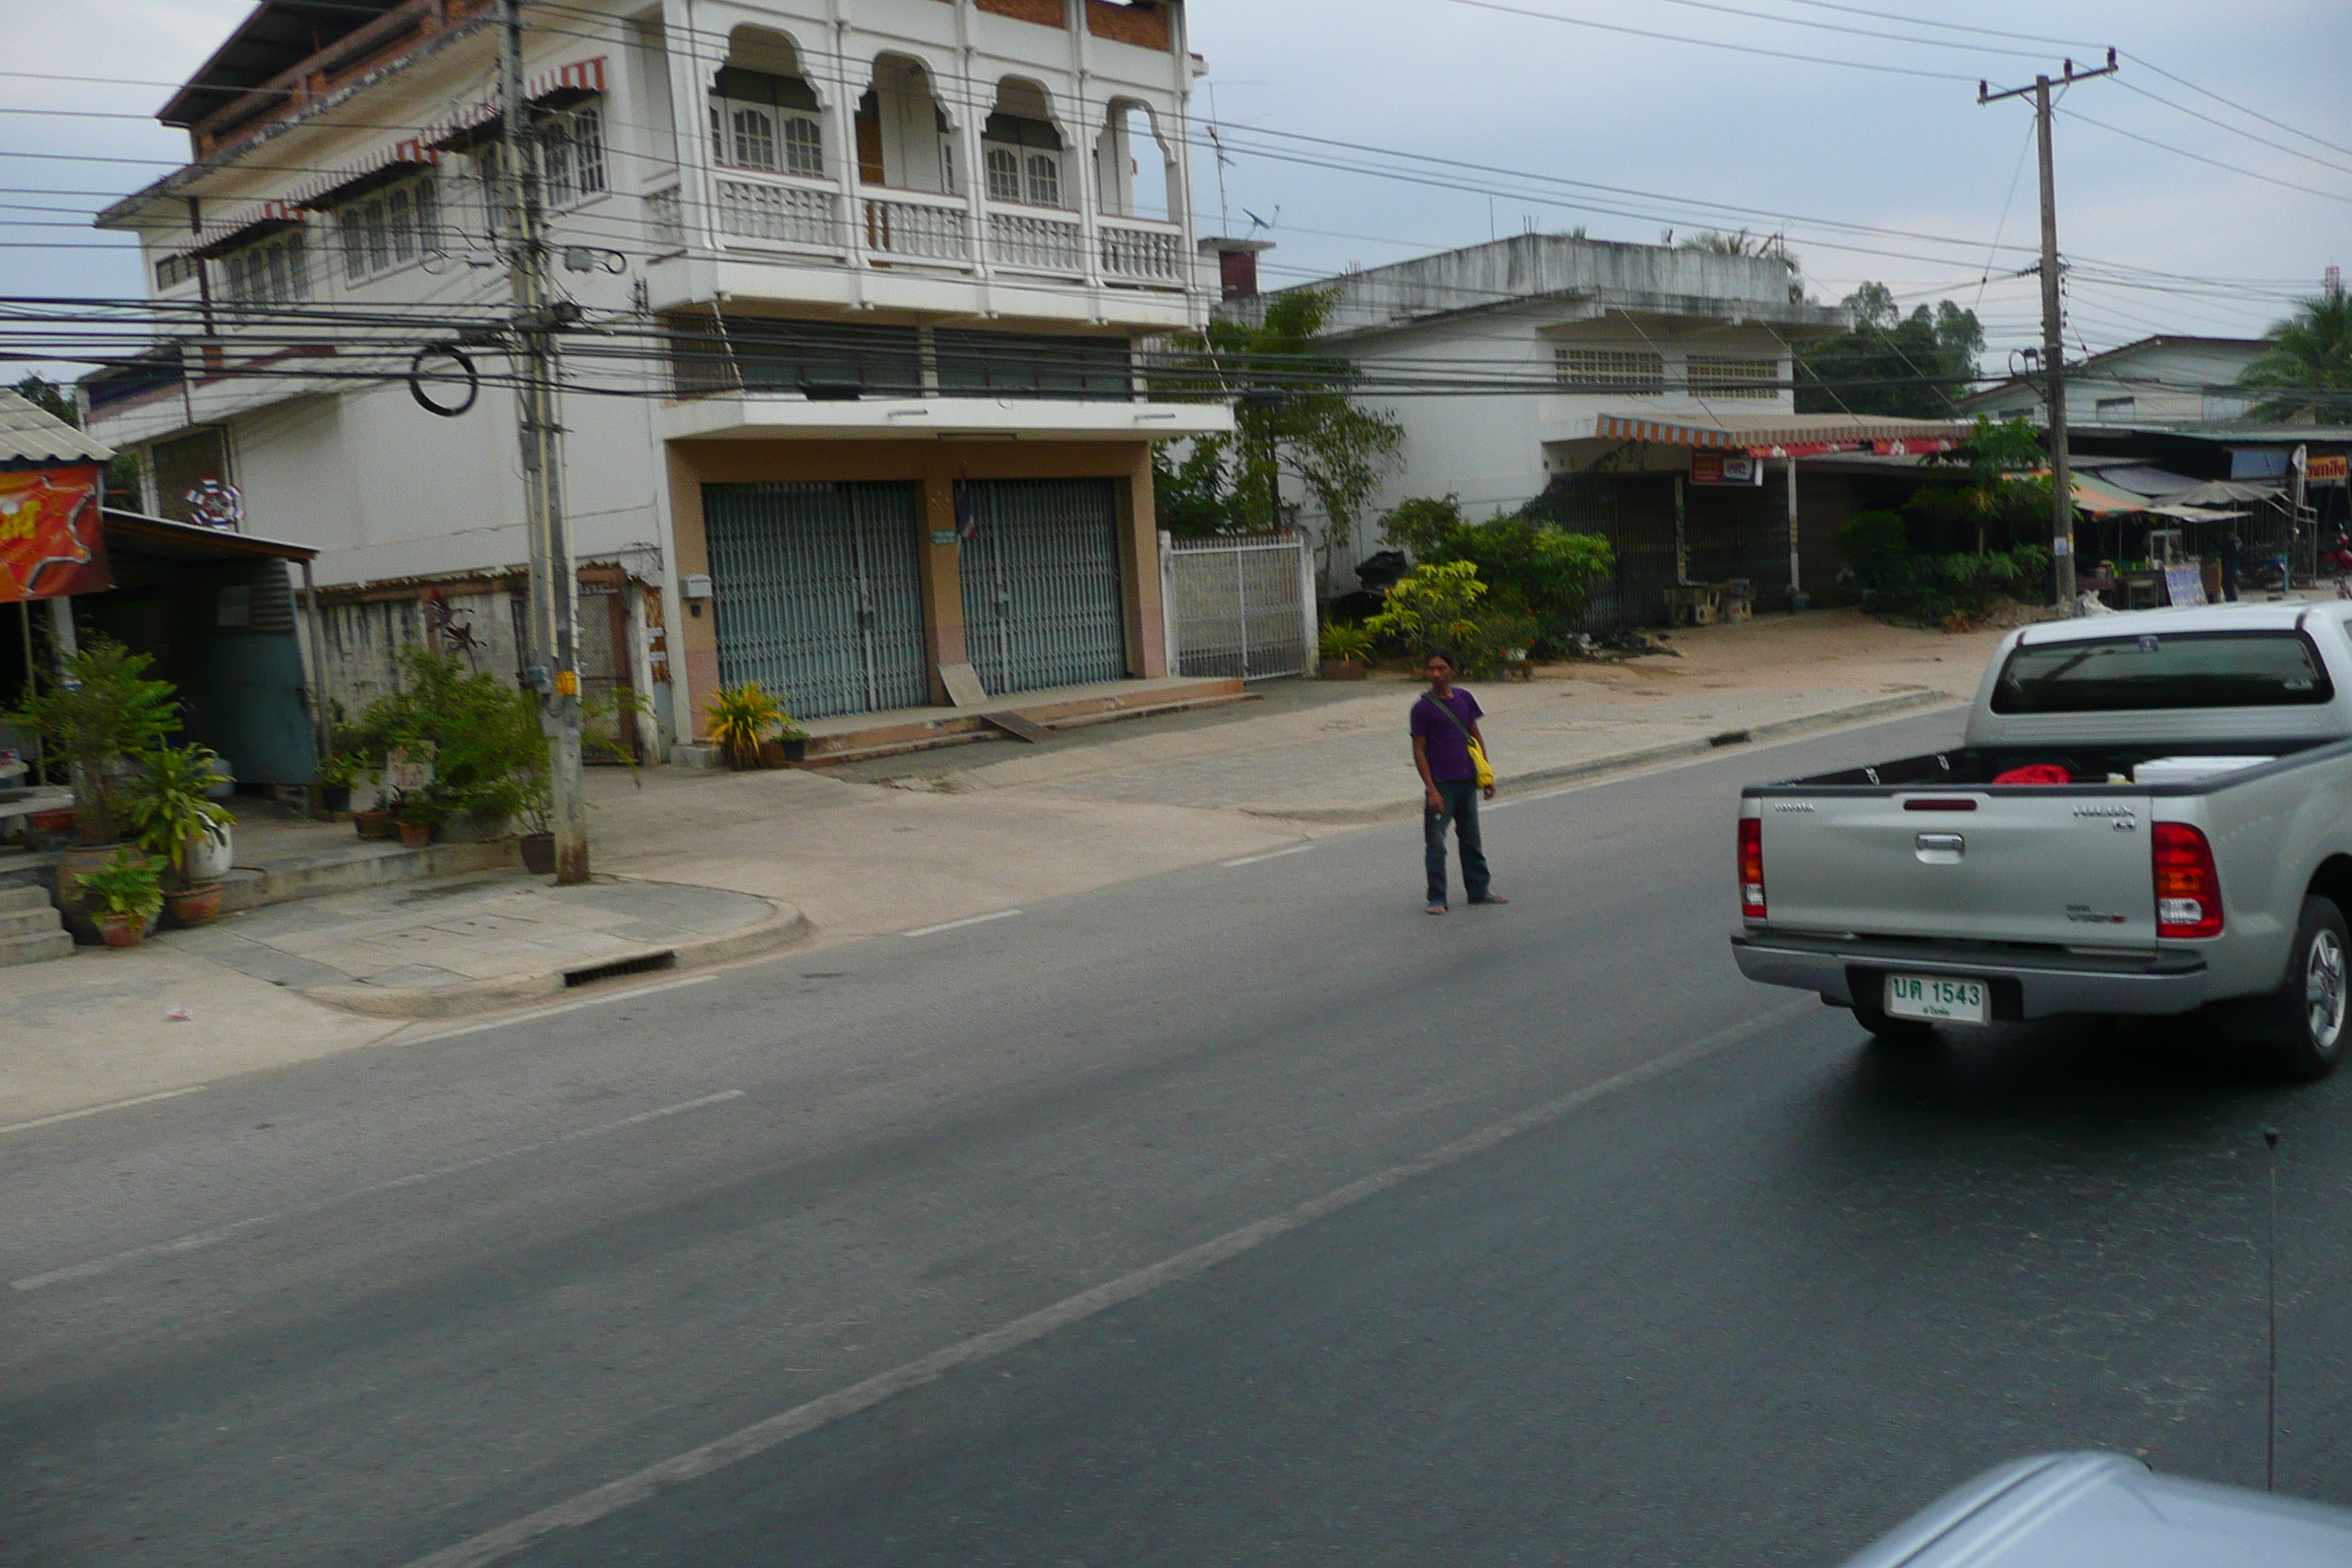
pixel 638 965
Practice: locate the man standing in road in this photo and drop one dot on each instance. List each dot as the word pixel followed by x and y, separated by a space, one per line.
pixel 1444 729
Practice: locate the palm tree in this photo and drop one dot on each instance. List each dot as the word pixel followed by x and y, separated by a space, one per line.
pixel 2309 361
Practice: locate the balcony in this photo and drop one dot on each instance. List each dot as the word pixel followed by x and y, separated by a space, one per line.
pixel 754 212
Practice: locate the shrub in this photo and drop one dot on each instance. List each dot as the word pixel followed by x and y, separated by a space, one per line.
pixel 130 884
pixel 1445 606
pixel 1910 584
pixel 1345 642
pixel 741 719
pixel 102 715
pixel 1543 573
pixel 484 737
pixel 168 803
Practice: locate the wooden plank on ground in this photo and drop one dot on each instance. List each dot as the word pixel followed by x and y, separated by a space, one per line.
pixel 1011 723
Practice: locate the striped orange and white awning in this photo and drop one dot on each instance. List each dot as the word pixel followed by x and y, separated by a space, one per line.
pixel 1788 435
pixel 386 163
pixel 580 78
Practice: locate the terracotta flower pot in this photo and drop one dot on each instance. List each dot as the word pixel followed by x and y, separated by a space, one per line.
pixel 373 824
pixel 80 910
pixel 539 853
pixel 195 906
pixel 58 819
pixel 415 835
pixel 121 931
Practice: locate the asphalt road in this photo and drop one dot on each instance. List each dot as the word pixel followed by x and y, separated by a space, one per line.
pixel 1755 1295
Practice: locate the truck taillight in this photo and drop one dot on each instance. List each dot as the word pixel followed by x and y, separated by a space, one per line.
pixel 2188 883
pixel 1751 867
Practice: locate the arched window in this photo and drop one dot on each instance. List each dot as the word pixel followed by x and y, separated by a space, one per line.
pixel 1021 148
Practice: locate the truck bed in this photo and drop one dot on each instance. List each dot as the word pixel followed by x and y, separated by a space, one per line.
pixel 2094 767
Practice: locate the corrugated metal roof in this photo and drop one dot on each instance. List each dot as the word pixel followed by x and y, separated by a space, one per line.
pixel 29 433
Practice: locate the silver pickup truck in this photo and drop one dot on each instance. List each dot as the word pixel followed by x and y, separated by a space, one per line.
pixel 2151 814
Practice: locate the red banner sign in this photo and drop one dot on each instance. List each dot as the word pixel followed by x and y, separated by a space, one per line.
pixel 51 542
pixel 2326 470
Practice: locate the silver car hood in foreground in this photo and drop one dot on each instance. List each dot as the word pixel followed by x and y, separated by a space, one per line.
pixel 2104 1510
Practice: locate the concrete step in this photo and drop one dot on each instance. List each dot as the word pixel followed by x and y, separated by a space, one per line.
pixel 30 923
pixel 35 948
pixel 16 899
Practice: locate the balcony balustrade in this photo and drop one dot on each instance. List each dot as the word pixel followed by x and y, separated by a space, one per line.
pixel 1134 251
pixel 754 210
pixel 1036 240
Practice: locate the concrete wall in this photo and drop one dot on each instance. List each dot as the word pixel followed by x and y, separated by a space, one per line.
pixel 1665 278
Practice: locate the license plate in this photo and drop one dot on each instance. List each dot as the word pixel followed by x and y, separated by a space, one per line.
pixel 1936 999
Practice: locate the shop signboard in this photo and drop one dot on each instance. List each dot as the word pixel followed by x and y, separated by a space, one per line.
pixel 1726 468
pixel 2184 585
pixel 52 544
pixel 2325 468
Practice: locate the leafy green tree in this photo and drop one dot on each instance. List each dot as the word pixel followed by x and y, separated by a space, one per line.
pixel 1912 366
pixel 1296 417
pixel 122 474
pixel 2308 361
pixel 1997 479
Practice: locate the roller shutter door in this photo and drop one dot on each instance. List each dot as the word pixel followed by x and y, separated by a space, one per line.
pixel 1040 588
pixel 817 594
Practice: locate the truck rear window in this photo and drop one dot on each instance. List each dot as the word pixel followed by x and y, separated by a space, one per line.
pixel 2187 669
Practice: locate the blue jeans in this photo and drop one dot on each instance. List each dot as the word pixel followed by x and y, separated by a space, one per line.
pixel 1461 798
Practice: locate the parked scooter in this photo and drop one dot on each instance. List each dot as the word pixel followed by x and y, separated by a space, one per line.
pixel 2336 560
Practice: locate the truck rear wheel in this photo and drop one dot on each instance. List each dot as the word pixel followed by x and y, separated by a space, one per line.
pixel 2303 1026
pixel 1903 1034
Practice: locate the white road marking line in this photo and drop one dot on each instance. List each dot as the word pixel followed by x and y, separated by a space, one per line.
pixel 1269 854
pixel 600 1000
pixel 110 1105
pixel 957 925
pixel 238 1227
pixel 761 1436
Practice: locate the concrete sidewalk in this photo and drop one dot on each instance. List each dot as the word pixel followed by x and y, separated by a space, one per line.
pixel 1349 759
pixel 432 950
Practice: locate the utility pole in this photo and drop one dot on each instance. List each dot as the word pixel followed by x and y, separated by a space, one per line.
pixel 554 665
pixel 2053 346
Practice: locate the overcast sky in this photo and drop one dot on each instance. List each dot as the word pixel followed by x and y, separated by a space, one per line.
pixel 1783 144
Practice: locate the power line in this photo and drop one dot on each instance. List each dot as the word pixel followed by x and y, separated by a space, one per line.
pixel 2184 152
pixel 1706 43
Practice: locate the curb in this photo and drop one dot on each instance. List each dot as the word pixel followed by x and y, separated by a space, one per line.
pixel 786 928
pixel 1622 761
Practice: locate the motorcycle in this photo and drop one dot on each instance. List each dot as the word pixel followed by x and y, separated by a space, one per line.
pixel 2336 560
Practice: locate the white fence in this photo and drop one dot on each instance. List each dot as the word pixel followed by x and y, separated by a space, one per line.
pixel 1240 604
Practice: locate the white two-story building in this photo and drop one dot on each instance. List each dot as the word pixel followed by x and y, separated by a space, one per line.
pixel 851 399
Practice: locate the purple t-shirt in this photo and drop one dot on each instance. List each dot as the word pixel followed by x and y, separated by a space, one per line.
pixel 1449 747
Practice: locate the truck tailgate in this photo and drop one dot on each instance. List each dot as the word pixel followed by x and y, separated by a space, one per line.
pixel 2012 866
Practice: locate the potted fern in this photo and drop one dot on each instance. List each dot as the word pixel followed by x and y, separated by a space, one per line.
pixel 169 805
pixel 1346 650
pixel 742 718
pixel 128 893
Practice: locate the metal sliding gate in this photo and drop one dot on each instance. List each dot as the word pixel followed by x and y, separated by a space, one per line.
pixel 1042 604
pixel 817 594
pixel 1238 606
